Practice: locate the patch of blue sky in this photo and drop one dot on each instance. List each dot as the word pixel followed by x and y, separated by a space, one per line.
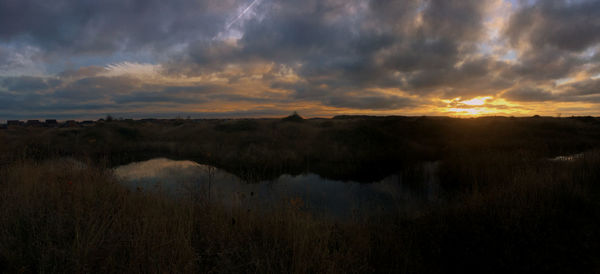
pixel 511 55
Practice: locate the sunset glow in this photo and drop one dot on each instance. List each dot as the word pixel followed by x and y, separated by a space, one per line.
pixel 299 136
pixel 476 101
pixel 268 58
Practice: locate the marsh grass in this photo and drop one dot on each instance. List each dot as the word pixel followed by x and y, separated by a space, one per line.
pixel 65 216
pixel 57 216
pixel 358 148
pixel 507 208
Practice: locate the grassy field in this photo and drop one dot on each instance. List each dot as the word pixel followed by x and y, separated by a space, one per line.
pixel 347 147
pixel 508 207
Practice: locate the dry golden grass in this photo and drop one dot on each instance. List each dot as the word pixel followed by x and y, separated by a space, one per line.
pixel 63 216
pixel 60 217
pixel 507 208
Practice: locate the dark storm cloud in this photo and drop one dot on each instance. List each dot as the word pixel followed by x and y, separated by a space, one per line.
pixel 341 53
pixel 84 26
pixel 326 33
pixel 551 35
pixel 567 25
pixel 361 99
pixel 4 56
pixel 29 94
pixel 16 60
pixel 82 72
pixel 156 97
pixel 586 91
pixel 344 45
pixel 28 83
pixel 95 88
pixel 587 87
pixel 546 63
pixel 87 89
pixel 528 94
pixel 473 77
pixel 373 102
pixel 170 94
pixel 6 99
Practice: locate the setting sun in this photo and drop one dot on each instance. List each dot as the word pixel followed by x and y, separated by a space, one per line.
pixel 268 58
pixel 477 101
pixel 300 136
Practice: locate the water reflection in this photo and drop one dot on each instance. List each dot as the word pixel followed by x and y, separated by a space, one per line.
pixel 567 158
pixel 320 196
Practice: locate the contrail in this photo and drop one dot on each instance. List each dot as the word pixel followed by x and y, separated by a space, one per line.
pixel 241 14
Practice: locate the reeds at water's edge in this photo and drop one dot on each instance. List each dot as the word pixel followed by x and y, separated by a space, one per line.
pixel 507 206
pixel 56 216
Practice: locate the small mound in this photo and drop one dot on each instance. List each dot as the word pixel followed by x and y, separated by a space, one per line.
pixel 295 117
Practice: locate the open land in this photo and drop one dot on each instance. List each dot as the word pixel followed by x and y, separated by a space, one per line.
pixel 511 203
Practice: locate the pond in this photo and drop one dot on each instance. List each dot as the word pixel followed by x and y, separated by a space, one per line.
pixel 567 158
pixel 309 191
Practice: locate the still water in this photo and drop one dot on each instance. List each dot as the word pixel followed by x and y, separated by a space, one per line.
pixel 309 191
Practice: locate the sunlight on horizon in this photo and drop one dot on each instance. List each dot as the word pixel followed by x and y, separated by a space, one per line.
pixel 471 112
pixel 270 58
pixel 477 101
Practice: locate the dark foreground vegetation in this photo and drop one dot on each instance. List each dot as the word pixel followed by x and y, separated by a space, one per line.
pixel 507 207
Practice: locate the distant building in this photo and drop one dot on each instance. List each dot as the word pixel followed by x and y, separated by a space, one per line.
pixel 51 123
pixel 33 123
pixel 87 123
pixel 70 123
pixel 13 122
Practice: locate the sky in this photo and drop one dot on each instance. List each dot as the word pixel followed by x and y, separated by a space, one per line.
pixel 80 59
